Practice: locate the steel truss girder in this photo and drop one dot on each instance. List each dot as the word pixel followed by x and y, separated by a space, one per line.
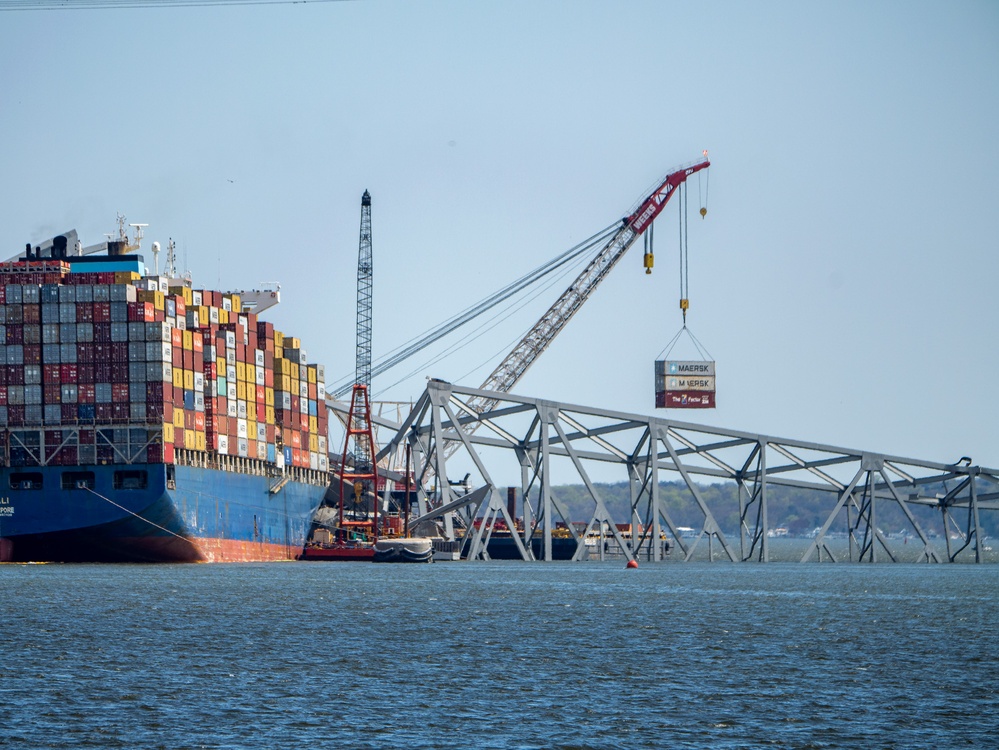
pixel 537 431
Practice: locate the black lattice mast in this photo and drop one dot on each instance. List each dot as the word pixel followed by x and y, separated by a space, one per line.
pixel 364 279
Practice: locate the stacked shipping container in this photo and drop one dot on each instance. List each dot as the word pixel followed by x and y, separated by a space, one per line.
pixel 137 370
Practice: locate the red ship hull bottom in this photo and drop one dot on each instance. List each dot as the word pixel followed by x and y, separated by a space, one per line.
pixel 65 548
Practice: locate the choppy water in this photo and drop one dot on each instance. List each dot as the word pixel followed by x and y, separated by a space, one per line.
pixel 499 655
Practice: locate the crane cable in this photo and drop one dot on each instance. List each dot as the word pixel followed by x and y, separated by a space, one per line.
pixel 682 201
pixel 417 344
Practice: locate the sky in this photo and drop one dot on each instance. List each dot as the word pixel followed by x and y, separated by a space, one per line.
pixel 843 280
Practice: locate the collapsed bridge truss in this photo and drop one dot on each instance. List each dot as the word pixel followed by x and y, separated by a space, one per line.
pixel 536 437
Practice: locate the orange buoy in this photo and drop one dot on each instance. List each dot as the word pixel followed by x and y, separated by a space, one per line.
pixel 704 212
pixel 632 564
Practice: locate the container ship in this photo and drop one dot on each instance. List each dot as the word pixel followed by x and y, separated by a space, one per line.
pixel 142 419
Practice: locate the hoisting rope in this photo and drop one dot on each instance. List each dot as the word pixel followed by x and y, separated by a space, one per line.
pixel 419 343
pixel 705 354
pixel 682 202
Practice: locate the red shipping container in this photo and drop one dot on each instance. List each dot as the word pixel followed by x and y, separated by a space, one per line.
pixel 51 374
pixel 119 392
pixel 68 373
pixel 3 395
pixel 178 437
pixel 87 393
pixel 85 373
pixel 199 421
pixel 102 332
pixel 32 354
pixel 177 338
pixel 177 357
pixel 154 391
pixel 52 393
pixel 15 375
pixel 3 371
pixel 199 343
pixel 188 420
pixel 69 413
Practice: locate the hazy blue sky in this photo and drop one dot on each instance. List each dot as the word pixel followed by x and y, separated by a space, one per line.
pixel 844 279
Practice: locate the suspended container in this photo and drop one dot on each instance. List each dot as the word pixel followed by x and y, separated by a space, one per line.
pixel 685 384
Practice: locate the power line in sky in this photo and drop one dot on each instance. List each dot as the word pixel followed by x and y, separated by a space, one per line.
pixel 13 5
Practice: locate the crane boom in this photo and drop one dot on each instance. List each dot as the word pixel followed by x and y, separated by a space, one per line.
pixel 538 338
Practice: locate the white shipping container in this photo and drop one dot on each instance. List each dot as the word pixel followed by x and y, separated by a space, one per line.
pixel 223 444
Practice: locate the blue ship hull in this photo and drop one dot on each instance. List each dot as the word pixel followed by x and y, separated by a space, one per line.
pixel 151 513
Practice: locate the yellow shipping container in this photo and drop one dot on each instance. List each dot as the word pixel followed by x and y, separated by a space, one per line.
pixel 241 372
pixel 281 366
pixel 189 441
pixel 178 378
pixel 168 432
pixel 285 383
pixel 294 373
pixel 220 367
pixel 199 441
pixel 203 315
pixel 223 317
pixel 293 343
pixel 311 369
pixel 278 343
pixel 188 337
pixel 178 418
pixel 251 411
pixel 269 396
pixel 188 380
pixel 314 424
pixel 237 304
pixel 241 390
pixel 314 443
pixel 269 414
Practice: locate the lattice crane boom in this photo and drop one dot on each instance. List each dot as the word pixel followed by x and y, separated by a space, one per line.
pixel 364 284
